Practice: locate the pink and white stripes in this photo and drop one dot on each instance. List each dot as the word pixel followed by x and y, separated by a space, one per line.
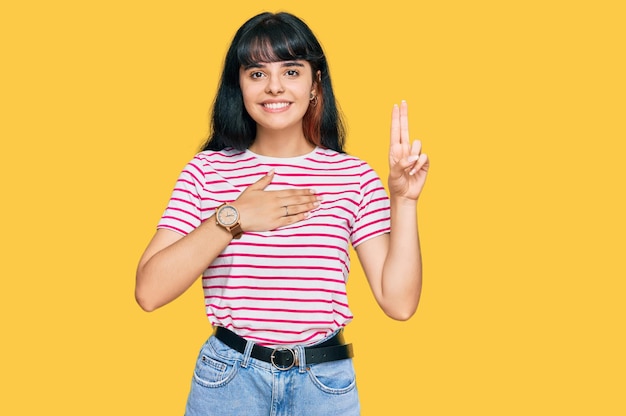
pixel 285 286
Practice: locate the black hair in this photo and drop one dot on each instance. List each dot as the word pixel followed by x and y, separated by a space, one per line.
pixel 273 37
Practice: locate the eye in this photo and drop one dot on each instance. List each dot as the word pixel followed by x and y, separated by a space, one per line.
pixel 256 74
pixel 292 72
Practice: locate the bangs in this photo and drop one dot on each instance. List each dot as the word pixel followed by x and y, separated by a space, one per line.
pixel 274 41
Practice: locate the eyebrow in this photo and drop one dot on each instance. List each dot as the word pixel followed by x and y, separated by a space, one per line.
pixel 282 65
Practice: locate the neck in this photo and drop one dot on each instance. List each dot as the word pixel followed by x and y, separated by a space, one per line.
pixel 281 144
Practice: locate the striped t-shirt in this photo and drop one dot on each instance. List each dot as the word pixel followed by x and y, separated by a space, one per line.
pixel 286 286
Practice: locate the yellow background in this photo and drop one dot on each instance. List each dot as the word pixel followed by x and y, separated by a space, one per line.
pixel 520 105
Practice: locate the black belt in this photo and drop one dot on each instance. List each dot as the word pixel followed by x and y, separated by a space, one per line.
pixel 284 358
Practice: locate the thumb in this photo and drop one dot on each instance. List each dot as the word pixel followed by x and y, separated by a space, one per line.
pixel 263 182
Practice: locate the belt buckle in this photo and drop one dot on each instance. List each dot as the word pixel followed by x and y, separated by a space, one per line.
pixel 280 349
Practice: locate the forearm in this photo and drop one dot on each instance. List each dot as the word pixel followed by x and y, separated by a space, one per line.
pixel 401 281
pixel 164 275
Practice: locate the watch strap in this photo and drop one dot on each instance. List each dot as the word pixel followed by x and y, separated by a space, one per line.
pixel 236 230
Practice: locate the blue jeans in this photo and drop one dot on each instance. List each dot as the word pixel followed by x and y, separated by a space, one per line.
pixel 228 383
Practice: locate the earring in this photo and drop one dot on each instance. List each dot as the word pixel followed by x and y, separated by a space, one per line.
pixel 313 100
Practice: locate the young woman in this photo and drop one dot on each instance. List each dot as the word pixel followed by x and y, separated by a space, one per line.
pixel 265 214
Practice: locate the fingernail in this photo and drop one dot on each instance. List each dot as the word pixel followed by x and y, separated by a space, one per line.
pixel 312 191
pixel 413 158
pixel 270 172
pixel 412 172
pixel 319 198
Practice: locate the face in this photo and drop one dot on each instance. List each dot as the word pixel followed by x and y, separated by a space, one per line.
pixel 277 94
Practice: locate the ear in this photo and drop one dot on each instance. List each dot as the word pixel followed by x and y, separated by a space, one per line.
pixel 316 81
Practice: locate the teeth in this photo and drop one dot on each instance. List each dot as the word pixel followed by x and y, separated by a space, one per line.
pixel 276 106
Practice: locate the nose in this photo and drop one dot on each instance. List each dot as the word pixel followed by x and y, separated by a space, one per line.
pixel 274 86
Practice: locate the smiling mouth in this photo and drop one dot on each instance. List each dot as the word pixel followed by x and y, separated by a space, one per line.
pixel 276 106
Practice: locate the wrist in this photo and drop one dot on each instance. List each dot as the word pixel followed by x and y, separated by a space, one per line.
pixel 401 201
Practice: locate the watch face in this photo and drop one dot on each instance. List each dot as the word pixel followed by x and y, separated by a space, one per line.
pixel 227 215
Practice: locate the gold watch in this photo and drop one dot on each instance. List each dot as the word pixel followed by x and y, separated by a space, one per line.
pixel 227 216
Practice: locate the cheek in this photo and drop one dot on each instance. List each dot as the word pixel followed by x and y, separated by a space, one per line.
pixel 306 90
pixel 248 101
pixel 247 104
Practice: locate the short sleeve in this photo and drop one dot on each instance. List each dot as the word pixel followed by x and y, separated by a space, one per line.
pixel 373 217
pixel 183 212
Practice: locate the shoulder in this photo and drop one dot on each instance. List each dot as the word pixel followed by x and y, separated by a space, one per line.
pixel 332 158
pixel 209 161
pixel 347 164
pixel 218 156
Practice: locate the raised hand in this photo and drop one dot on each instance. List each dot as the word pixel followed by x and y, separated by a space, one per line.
pixel 263 210
pixel 408 167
